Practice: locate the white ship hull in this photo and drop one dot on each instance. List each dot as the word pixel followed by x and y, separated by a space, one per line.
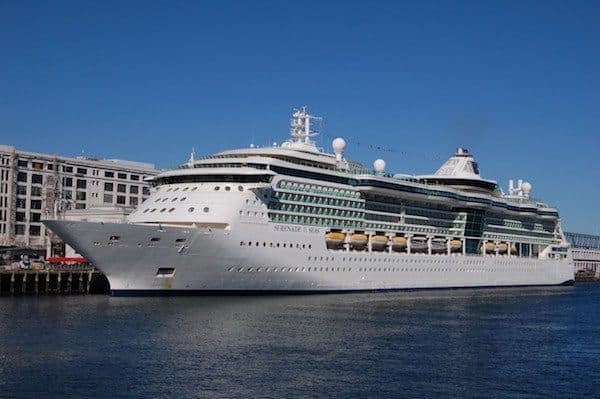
pixel 279 258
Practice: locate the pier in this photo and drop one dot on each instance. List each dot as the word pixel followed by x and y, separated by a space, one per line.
pixel 52 282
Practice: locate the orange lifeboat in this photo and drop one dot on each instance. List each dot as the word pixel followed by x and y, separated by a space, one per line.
pixel 334 239
pixel 502 247
pixel 379 242
pixel 399 243
pixel 489 246
pixel 358 240
pixel 456 245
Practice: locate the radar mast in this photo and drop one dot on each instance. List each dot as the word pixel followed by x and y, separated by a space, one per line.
pixel 301 124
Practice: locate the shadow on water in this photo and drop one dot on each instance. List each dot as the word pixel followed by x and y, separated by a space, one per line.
pixel 500 343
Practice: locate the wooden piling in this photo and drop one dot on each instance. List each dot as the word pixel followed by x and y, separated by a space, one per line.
pixel 89 282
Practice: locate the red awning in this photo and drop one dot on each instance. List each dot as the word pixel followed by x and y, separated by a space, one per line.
pixel 56 259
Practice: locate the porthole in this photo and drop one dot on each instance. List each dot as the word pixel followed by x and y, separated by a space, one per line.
pixel 194 188
pixel 171 210
pixel 191 209
pixel 164 199
pixel 217 188
pixel 164 209
pixel 153 209
pixel 183 199
pixel 146 210
pixel 176 189
pixel 240 188
pixel 174 199
pixel 206 209
pixel 169 189
pixel 185 189
pixel 227 188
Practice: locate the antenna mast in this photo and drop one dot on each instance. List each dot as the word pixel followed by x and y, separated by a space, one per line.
pixel 300 126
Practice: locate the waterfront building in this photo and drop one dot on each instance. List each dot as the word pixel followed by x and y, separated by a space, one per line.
pixel 586 252
pixel 35 186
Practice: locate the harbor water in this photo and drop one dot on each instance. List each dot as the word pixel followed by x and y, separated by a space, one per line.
pixel 501 343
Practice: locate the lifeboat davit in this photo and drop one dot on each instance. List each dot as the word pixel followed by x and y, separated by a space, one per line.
pixel 334 239
pixel 455 245
pixel 399 243
pixel 378 242
pixel 358 240
pixel 418 244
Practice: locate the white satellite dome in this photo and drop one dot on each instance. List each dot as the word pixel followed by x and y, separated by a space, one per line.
pixel 526 187
pixel 379 165
pixel 339 145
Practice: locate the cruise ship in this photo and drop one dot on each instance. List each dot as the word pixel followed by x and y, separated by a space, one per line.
pixel 293 218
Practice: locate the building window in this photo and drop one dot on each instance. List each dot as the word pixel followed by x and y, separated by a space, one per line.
pixel 22 163
pixel 133 201
pixel 37 165
pixel 36 204
pixel 67 182
pixel 79 206
pixel 82 171
pixel 121 199
pixel 108 187
pixel 20 216
pixel 80 196
pixel 50 166
pixel 121 188
pixel 22 176
pixel 35 217
pixel 135 177
pixel 34 230
pixel 133 189
pixel 108 198
pixel 122 176
pixel 21 203
pixel 146 190
pixel 109 174
pixel 81 183
pixel 37 179
pixel 19 229
pixel 68 194
pixel 68 169
pixel 21 190
pixel 36 191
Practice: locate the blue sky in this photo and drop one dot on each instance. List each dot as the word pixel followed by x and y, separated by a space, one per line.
pixel 516 82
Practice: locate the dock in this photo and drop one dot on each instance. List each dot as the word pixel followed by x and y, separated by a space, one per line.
pixel 52 282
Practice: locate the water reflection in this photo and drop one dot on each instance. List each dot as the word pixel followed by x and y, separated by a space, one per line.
pixel 424 343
